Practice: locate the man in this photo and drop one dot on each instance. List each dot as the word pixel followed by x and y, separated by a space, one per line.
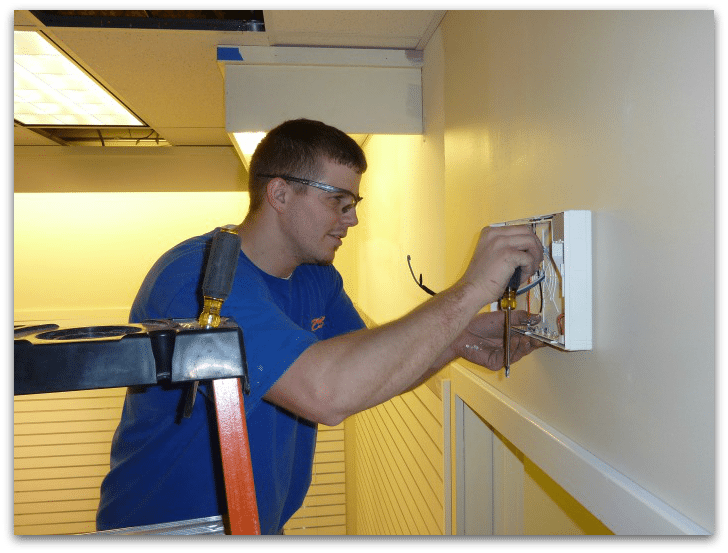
pixel 311 360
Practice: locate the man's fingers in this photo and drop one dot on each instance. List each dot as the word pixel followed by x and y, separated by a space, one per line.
pixel 521 317
pixel 523 346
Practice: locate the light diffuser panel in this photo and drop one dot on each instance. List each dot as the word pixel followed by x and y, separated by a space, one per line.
pixel 49 89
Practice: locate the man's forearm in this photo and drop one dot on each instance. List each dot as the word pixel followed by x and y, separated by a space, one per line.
pixel 338 377
pixel 447 355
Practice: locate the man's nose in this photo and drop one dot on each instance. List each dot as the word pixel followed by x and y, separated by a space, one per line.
pixel 349 217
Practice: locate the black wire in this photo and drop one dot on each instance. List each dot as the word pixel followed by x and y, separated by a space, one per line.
pixel 426 289
pixel 419 283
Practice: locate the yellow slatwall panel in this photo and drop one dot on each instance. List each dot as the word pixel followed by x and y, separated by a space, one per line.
pixel 324 510
pixel 399 466
pixel 61 453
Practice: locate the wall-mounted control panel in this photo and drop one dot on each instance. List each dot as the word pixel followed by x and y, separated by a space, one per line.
pixel 561 291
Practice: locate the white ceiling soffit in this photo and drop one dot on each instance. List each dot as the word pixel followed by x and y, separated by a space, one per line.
pixel 360 91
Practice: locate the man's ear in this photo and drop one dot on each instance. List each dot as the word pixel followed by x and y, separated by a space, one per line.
pixel 277 192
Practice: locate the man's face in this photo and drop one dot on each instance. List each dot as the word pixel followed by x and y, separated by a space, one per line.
pixel 319 220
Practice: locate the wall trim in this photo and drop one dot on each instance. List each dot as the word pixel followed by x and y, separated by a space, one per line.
pixel 621 504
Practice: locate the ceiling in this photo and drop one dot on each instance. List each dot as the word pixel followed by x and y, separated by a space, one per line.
pixel 169 77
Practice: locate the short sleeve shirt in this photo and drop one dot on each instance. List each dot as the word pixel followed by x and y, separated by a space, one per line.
pixel 166 468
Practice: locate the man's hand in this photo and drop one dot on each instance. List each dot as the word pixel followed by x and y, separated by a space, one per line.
pixel 498 252
pixel 482 341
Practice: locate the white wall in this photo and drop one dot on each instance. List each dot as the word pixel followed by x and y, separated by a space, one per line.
pixel 612 112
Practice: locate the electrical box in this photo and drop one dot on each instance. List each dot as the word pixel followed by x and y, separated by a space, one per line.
pixel 561 292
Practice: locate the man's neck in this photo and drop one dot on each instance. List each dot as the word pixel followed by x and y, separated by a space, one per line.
pixel 262 247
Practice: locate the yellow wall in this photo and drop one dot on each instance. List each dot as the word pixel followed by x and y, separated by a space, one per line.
pixel 395 472
pixel 397 465
pixel 91 251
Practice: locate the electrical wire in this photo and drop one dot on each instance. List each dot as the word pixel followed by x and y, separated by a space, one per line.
pixel 419 283
pixel 540 278
pixel 560 323
pixel 528 287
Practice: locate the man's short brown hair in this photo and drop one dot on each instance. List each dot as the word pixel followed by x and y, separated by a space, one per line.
pixel 298 148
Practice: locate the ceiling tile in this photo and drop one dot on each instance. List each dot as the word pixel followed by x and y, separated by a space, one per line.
pixel 168 78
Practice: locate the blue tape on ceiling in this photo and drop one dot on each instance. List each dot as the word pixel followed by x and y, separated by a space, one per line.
pixel 228 53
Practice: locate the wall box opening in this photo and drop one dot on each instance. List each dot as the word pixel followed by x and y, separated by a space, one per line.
pixel 563 297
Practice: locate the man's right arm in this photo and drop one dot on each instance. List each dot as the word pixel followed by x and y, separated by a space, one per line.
pixel 338 377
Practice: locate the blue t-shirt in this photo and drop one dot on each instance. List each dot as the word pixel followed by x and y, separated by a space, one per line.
pixel 167 468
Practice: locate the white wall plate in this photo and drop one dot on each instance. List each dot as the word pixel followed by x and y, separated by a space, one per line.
pixel 564 297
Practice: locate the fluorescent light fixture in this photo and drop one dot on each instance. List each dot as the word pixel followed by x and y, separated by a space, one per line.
pixel 51 90
pixel 245 143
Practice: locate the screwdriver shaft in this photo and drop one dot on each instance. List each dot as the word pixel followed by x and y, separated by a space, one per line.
pixel 507 341
pixel 508 304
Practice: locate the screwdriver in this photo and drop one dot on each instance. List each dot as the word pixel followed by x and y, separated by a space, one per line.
pixel 508 304
pixel 216 286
